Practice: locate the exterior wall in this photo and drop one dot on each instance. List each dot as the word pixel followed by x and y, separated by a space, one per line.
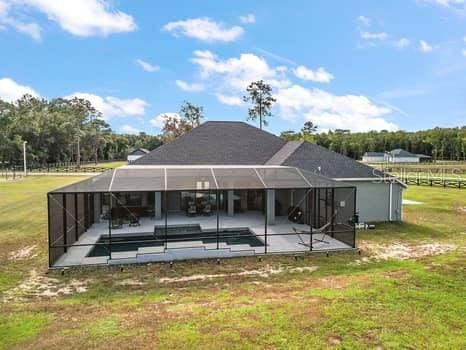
pixel 368 159
pixel 404 160
pixel 373 201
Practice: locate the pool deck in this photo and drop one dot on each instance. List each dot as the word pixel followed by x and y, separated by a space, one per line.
pixel 279 240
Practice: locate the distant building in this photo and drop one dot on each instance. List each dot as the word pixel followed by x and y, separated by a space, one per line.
pixel 375 157
pixel 395 156
pixel 401 156
pixel 136 154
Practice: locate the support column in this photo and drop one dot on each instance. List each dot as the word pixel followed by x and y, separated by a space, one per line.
pixel 158 205
pixel 97 207
pixel 270 202
pixel 231 203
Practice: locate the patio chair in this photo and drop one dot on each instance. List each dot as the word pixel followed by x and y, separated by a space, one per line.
pixel 134 221
pixel 191 209
pixel 207 210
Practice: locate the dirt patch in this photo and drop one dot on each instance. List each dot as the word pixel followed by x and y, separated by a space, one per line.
pixel 23 253
pixel 265 272
pixel 130 282
pixel 403 251
pixel 40 286
pixel 333 341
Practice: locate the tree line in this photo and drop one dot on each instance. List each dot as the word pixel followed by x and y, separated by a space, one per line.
pixel 439 143
pixel 62 130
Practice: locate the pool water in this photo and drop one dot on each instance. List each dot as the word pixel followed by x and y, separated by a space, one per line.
pixel 133 242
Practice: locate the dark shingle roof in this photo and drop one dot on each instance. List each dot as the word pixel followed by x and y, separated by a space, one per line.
pixel 223 143
pixel 217 143
pixel 320 160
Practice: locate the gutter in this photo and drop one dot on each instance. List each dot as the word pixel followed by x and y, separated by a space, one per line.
pixel 372 179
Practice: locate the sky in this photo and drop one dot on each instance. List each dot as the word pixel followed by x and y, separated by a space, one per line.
pixel 358 65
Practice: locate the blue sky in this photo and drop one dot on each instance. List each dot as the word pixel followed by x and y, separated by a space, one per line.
pixel 359 65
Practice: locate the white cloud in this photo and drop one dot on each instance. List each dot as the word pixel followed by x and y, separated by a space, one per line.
pixel 374 36
pixel 229 99
pixel 147 66
pixel 454 4
pixel 189 87
pixel 8 20
pixel 320 75
pixel 11 91
pixel 366 21
pixel 79 17
pixel 354 112
pixel 424 46
pixel 248 19
pixel 463 52
pixel 204 29
pixel 401 43
pixel 236 73
pixel 229 77
pixel 159 120
pixel 111 106
pixel 128 129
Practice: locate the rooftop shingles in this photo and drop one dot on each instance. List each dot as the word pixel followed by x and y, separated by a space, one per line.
pixel 217 143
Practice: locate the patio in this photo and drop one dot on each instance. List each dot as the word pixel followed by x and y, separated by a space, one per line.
pixel 138 214
pixel 281 238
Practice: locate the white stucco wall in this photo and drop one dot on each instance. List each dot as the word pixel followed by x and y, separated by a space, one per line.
pixel 373 201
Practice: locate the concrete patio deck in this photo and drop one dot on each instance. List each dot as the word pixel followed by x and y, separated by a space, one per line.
pixel 279 240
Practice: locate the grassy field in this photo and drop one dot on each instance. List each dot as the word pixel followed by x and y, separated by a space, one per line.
pixel 407 289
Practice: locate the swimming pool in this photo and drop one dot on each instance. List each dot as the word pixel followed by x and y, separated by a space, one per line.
pixel 127 243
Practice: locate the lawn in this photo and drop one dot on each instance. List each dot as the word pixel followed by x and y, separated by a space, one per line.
pixel 412 298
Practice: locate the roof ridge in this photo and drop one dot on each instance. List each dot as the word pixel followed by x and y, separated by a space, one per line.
pixel 284 153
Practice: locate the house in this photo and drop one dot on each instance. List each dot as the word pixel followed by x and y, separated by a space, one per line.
pixel 136 154
pixel 378 197
pixel 395 156
pixel 225 189
pixel 375 157
pixel 401 156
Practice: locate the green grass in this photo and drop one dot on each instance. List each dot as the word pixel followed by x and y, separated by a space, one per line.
pixel 392 304
pixel 20 327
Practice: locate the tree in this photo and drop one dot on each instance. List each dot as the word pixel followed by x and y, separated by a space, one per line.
pixel 309 128
pixel 261 100
pixel 191 114
pixel 174 127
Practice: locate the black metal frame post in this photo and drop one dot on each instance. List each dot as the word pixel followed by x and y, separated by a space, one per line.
pixel 332 196
pixel 266 219
pixel 354 215
pixel 65 224
pixel 166 221
pixel 49 229
pixel 76 230
pixel 312 199
pixel 218 217
pixel 110 226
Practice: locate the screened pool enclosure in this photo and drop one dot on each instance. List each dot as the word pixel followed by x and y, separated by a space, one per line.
pixel 136 214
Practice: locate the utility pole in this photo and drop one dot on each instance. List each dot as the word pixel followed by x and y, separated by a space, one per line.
pixel 24 158
pixel 78 154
